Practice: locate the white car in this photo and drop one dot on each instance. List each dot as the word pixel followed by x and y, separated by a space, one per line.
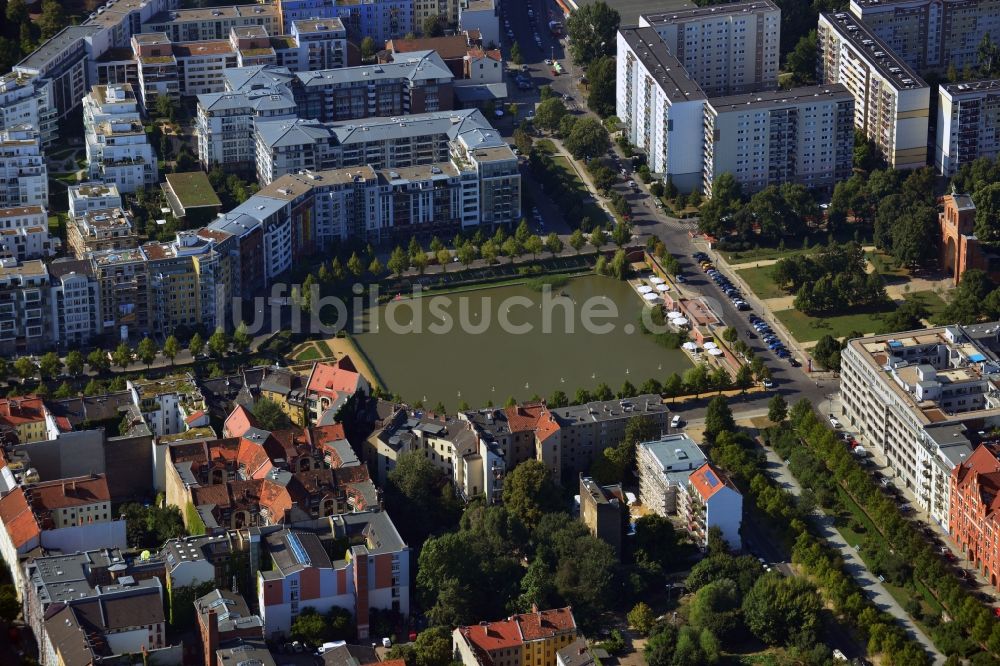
pixel 548 62
pixel 676 421
pixel 834 422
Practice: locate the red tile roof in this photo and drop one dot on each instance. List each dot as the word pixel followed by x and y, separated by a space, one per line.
pixel 332 379
pixel 194 416
pixel 545 624
pixel 491 636
pixel 982 471
pixel 18 411
pixel 708 480
pixel 449 48
pixel 66 493
pixel 18 519
pixel 238 422
pixel 524 417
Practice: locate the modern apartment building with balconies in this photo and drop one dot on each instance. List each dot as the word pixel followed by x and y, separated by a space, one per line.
pixel 118 150
pixel 922 400
pixel 24 177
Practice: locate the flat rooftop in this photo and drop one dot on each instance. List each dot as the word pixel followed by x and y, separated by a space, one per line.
pixel 971 87
pixel 780 98
pixel 692 13
pixel 668 71
pixel 212 14
pixel 874 50
pixel 630 10
pixel 192 189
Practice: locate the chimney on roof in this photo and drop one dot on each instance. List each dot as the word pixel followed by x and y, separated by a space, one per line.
pixel 211 637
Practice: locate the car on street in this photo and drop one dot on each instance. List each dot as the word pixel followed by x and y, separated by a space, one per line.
pixel 676 421
pixel 548 61
pixel 751 334
pixel 834 422
pixel 768 383
pixel 680 278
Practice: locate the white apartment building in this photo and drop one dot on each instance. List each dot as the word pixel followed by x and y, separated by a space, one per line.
pixel 932 34
pixel 481 15
pixel 923 399
pixel 24 306
pixel 661 107
pixel 664 466
pixel 194 25
pixel 24 233
pixel 709 499
pixel 226 122
pixel 728 49
pixel 24 177
pixel 290 146
pixel 118 150
pixel 322 44
pixel 891 103
pixel 23 101
pixel 86 197
pixel 968 124
pixel 75 300
pixel 803 135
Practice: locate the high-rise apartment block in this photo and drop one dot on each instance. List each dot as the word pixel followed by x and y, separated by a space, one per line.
pixel 24 177
pixel 661 107
pixel 932 34
pixel 891 102
pixel 968 124
pixel 728 49
pixel 118 150
pixel 803 135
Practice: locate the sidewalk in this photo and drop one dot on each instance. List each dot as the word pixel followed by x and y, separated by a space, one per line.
pixel 853 564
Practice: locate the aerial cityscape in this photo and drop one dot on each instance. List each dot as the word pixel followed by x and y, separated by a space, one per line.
pixel 499 332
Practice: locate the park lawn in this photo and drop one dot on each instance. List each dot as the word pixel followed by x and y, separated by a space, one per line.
pixel 932 301
pixel 734 257
pixel 886 265
pixel 573 181
pixel 545 146
pixel 309 354
pixel 761 283
pixel 324 348
pixel 809 329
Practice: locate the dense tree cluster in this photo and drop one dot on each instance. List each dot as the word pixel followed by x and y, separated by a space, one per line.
pixel 830 281
pixel 566 564
pixel 768 217
pixel 898 551
pixel 592 32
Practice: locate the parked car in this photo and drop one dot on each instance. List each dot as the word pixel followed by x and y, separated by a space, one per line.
pixel 768 383
pixel 834 422
pixel 751 334
pixel 676 421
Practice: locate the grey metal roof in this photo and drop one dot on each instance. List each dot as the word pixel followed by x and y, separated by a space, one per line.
pixel 235 222
pixel 297 132
pixel 670 74
pixel 257 100
pixel 241 79
pixel 452 123
pixel 688 13
pixel 413 66
pixel 481 92
pixel 39 58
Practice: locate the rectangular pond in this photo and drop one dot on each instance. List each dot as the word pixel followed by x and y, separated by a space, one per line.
pixel 491 343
